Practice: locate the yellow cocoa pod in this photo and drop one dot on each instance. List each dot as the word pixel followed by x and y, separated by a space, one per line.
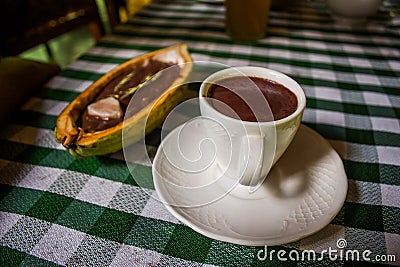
pixel 82 143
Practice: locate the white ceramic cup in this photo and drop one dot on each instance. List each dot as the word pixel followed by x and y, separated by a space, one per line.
pixel 353 11
pixel 246 151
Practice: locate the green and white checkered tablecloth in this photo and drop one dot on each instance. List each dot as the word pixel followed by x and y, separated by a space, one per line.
pixel 59 210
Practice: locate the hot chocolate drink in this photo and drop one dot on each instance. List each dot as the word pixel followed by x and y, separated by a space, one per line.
pixel 236 97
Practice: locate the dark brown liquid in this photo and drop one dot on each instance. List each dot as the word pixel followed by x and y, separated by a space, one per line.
pixel 235 95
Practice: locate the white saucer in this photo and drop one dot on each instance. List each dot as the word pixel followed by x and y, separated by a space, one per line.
pixel 302 194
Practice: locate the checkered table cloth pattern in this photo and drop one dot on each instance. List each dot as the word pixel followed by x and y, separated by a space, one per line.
pixel 58 210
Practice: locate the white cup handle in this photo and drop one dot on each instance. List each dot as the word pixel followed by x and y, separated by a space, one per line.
pixel 251 160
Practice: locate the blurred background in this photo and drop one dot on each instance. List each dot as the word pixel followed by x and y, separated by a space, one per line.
pixel 59 31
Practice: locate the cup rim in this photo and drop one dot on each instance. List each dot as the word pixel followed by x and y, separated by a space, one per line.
pixel 267 74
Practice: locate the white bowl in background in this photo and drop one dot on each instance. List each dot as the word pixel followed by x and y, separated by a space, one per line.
pixel 353 11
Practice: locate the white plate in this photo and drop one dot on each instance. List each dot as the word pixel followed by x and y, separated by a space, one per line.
pixel 301 195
